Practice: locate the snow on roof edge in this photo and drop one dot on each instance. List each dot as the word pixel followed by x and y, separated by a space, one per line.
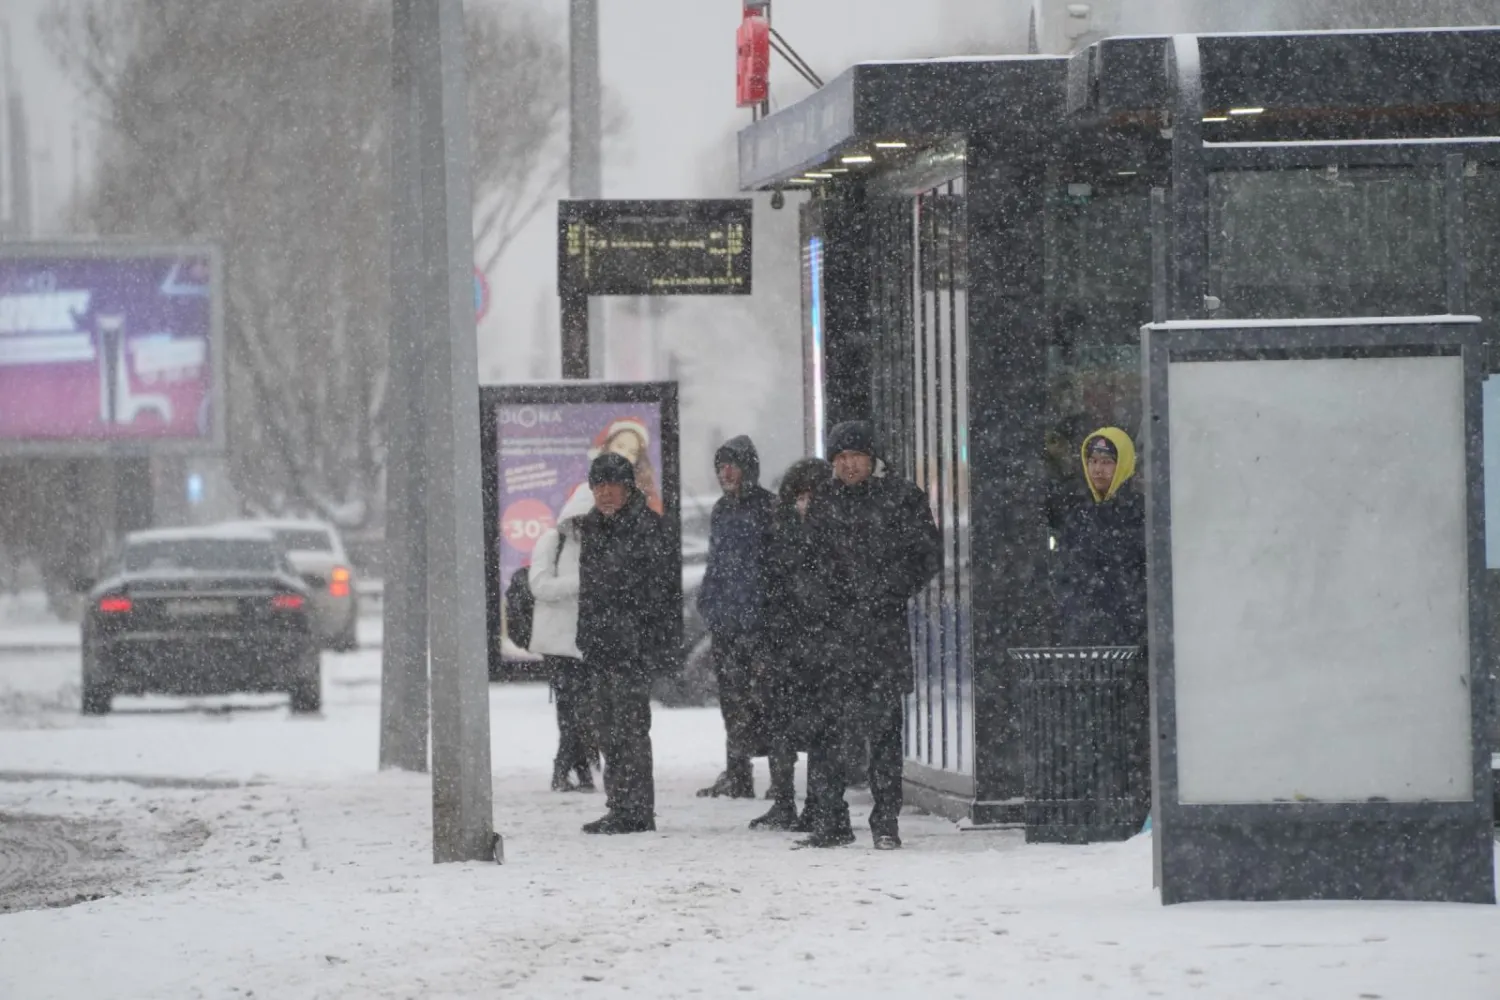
pixel 1240 324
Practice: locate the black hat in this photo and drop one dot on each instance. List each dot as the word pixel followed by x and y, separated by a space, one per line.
pixel 852 435
pixel 804 475
pixel 611 468
pixel 1101 445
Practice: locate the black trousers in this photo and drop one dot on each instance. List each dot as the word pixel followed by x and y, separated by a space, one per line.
pixel 624 701
pixel 782 699
pixel 577 722
pixel 875 704
pixel 734 659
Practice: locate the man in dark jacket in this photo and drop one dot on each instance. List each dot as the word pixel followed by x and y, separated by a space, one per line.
pixel 1101 579
pixel 803 631
pixel 881 546
pixel 732 603
pixel 625 633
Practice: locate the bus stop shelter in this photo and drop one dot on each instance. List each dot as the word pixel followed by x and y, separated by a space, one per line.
pixel 985 238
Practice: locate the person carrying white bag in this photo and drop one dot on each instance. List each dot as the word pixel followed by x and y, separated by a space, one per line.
pixel 554 585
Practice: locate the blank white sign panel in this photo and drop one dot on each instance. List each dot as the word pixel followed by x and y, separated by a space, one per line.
pixel 1320 580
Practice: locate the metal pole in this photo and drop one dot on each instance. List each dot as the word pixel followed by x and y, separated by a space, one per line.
pixel 585 179
pixel 462 810
pixel 575 333
pixel 1189 217
pixel 7 82
pixel 583 129
pixel 403 668
pixel 17 145
pixel 21 204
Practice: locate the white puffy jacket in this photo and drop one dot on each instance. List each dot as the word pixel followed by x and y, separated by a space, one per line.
pixel 554 583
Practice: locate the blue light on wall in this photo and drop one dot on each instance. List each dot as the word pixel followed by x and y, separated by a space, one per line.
pixel 815 316
pixel 1491 427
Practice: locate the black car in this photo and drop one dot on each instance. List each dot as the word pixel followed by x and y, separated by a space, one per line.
pixel 201 611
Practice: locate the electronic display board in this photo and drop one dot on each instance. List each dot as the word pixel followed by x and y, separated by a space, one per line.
pixel 654 247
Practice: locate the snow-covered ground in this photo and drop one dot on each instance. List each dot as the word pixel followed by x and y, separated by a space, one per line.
pixel 244 853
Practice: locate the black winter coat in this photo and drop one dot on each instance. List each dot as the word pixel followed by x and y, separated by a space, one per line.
pixel 1101 578
pixel 732 599
pixel 882 547
pixel 629 617
pixel 804 621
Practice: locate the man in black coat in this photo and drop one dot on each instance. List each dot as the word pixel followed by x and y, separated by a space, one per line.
pixel 798 680
pixel 625 632
pixel 732 603
pixel 881 547
pixel 1101 579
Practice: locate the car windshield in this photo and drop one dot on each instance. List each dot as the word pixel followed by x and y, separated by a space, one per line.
pixel 304 540
pixel 203 554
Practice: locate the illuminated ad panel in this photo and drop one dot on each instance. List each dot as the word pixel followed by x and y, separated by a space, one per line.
pixel 108 345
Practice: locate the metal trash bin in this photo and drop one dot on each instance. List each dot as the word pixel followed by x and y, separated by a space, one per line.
pixel 1085 723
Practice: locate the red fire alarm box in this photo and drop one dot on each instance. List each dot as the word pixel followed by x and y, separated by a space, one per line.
pixel 753 62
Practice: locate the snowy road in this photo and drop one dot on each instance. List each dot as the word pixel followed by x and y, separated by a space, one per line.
pixel 241 852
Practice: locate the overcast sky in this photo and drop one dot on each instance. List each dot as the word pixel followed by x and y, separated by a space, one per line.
pixel 671 63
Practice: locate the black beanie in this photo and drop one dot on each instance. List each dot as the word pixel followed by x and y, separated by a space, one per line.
pixel 1101 445
pixel 611 468
pixel 806 474
pixel 852 435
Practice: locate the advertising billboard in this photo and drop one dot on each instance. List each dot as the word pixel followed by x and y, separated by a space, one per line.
pixel 538 442
pixel 106 347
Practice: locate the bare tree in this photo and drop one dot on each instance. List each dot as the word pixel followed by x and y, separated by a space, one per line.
pixel 263 127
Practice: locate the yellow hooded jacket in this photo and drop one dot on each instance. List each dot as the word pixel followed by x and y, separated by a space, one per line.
pixel 1124 463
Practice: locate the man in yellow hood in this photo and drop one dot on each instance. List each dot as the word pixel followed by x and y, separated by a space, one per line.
pixel 1101 579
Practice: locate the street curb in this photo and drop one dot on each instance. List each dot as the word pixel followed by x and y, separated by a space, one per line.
pixel 144 781
pixel 63 647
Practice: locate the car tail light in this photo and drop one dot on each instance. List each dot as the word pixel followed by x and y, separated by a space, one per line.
pixel 338 582
pixel 115 605
pixel 288 602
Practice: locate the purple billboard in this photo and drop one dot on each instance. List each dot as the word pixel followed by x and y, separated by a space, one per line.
pixel 543 470
pixel 536 444
pixel 105 345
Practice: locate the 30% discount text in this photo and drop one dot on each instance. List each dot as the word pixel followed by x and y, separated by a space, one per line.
pixel 525 522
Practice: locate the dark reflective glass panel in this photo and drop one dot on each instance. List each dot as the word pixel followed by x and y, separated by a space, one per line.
pixel 1327 241
pixel 1098 295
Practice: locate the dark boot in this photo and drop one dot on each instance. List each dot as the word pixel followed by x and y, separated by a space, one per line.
pixel 740 779
pixel 841 838
pixel 738 786
pixel 782 816
pixel 614 823
pixel 807 822
pixel 560 779
pixel 713 791
pixel 585 779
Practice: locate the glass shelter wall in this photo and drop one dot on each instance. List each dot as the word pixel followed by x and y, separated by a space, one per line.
pixel 919 317
pixel 1327 241
pixel 1097 270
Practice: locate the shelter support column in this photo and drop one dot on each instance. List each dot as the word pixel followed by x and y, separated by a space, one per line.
pixel 846 304
pixel 1008 337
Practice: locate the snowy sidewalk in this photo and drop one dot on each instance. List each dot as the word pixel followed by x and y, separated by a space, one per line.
pixel 318 883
